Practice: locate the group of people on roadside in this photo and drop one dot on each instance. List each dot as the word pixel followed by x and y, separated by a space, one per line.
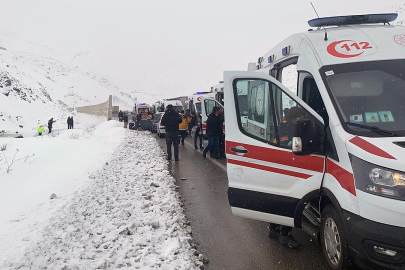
pixel 215 134
pixel 176 125
pixel 41 128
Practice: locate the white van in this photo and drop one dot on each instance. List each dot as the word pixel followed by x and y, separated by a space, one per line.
pixel 175 102
pixel 193 103
pixel 334 151
pixel 218 91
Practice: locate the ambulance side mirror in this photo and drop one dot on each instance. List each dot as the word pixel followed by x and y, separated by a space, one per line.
pixel 308 137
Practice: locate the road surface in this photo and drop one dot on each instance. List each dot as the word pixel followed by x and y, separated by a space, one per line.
pixel 231 242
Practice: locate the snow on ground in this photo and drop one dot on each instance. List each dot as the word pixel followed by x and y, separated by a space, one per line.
pixel 125 214
pixel 57 163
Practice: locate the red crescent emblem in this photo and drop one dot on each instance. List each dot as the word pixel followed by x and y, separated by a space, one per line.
pixel 332 50
pixel 199 99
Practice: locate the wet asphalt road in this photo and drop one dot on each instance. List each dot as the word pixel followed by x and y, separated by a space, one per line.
pixel 231 242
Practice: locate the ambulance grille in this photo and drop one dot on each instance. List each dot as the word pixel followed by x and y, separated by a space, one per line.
pixel 402 144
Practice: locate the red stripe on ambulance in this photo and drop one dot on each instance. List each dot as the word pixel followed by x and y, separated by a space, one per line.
pixel 287 158
pixel 368 147
pixel 345 178
pixel 268 168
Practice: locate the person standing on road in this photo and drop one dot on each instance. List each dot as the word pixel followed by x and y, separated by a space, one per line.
pixel 183 126
pixel 138 120
pixel 221 135
pixel 68 122
pixel 284 234
pixel 50 122
pixel 125 118
pixel 213 126
pixel 171 121
pixel 198 131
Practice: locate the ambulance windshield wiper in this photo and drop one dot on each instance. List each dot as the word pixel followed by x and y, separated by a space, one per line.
pixel 374 129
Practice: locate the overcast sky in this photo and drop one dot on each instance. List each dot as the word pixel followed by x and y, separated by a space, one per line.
pixel 173 47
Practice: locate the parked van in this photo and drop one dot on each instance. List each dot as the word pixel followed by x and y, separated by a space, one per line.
pixel 207 105
pixel 193 103
pixel 218 91
pixel 176 102
pixel 331 150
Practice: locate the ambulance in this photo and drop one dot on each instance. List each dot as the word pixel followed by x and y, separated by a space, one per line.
pixel 175 102
pixel 332 154
pixel 193 103
pixel 218 91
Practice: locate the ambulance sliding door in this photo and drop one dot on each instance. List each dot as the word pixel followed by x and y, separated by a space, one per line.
pixel 266 180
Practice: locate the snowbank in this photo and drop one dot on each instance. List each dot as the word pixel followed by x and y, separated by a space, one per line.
pixel 126 215
pixel 58 163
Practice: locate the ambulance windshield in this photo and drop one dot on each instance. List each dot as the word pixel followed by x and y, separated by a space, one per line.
pixel 370 94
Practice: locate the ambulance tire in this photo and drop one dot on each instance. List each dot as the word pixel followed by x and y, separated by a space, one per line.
pixel 330 223
pixel 161 135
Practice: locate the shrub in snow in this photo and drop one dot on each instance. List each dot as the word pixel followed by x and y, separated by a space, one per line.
pixel 3 147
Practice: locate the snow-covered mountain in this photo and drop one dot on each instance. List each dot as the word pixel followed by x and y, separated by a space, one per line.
pixel 34 88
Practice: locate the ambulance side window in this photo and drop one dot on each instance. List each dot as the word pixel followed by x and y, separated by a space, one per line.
pixel 253 101
pixel 288 76
pixel 287 112
pixel 209 105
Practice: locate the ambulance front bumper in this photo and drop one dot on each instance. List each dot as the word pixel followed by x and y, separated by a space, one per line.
pixel 375 245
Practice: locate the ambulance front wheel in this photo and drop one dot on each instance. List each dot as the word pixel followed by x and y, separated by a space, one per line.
pixel 333 239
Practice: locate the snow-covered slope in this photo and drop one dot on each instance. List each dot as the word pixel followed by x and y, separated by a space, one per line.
pixel 34 88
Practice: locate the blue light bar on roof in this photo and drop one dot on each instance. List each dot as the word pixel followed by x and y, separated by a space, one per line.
pixel 353 19
pixel 286 50
pixel 200 93
pixel 271 58
pixel 142 103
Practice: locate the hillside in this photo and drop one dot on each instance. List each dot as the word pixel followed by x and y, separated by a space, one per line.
pixel 34 88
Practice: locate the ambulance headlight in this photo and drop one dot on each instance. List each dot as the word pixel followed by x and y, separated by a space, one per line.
pixel 378 180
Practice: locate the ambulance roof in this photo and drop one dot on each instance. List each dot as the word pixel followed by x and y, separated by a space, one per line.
pixel 344 44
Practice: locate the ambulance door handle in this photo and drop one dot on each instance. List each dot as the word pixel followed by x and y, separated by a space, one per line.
pixel 240 150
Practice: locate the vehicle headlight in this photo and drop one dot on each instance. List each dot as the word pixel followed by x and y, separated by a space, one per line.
pixel 378 180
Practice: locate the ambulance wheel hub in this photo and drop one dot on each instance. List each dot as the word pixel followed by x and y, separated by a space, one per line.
pixel 332 241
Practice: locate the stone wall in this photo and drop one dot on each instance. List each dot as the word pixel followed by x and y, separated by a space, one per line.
pixel 102 109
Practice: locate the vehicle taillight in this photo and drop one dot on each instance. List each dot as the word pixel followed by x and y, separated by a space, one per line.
pixel 161 124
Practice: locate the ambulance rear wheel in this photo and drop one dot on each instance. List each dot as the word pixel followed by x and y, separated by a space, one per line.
pixel 333 239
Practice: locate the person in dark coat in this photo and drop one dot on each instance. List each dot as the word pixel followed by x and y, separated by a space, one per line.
pixel 120 116
pixel 138 120
pixel 221 135
pixel 171 121
pixel 70 122
pixel 214 125
pixel 125 120
pixel 50 122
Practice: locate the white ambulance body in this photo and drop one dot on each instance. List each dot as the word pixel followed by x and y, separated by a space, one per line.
pixel 176 103
pixel 219 92
pixel 193 104
pixel 140 107
pixel 334 151
pixel 207 104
